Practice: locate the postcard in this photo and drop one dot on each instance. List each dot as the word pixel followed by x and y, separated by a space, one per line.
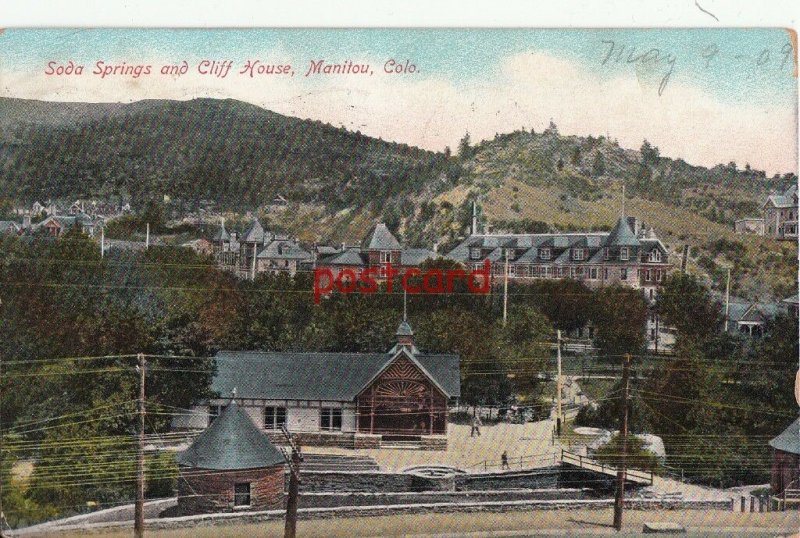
pixel 388 282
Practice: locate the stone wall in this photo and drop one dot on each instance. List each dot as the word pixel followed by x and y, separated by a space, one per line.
pixel 354 481
pixel 433 442
pixel 203 490
pixel 366 440
pixel 330 500
pixel 532 479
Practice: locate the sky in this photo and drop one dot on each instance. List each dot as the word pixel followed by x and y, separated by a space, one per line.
pixel 708 96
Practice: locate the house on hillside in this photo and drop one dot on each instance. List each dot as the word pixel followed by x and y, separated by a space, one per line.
pixel 780 214
pixel 749 318
pixel 230 466
pixel 9 227
pixel 57 225
pixel 749 226
pixel 355 400
pixel 786 460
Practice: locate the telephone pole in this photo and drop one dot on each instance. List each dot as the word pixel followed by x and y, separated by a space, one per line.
pixel 621 470
pixel 505 292
pixel 727 298
pixel 293 460
pixel 138 520
pixel 558 385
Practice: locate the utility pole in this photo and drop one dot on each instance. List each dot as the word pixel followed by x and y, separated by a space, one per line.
pixel 558 385
pixel 293 460
pixel 147 237
pixel 102 242
pixel 621 470
pixel 727 298
pixel 138 520
pixel 505 292
pixel 253 268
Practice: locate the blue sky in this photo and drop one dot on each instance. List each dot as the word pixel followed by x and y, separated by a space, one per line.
pixel 733 69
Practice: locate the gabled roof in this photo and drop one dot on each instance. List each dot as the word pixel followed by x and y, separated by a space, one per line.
pixel 622 235
pixel 789 440
pixel 787 199
pixel 382 239
pixel 284 250
pixel 317 376
pixel 348 257
pixel 254 233
pixel 416 256
pixel 232 441
pixel 791 300
pixel 9 226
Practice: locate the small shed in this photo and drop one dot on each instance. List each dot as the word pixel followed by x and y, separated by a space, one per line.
pixel 786 459
pixel 231 465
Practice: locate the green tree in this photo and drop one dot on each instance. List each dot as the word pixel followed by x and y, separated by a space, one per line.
pixel 686 304
pixel 598 165
pixel 619 314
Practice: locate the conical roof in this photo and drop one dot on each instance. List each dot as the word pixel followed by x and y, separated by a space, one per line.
pixel 222 234
pixel 789 440
pixel 404 329
pixel 382 239
pixel 622 235
pixel 231 442
pixel 254 233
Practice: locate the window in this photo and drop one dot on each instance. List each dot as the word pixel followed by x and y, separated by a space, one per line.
pixel 510 252
pixel 545 253
pixel 605 273
pixel 475 253
pixel 241 494
pixel 546 271
pixel 331 418
pixel 579 272
pixel 593 273
pixel 623 274
pixel 606 254
pixel 658 275
pixel 577 254
pixel 512 270
pixel 655 255
pixel 213 412
pixel 386 256
pixel 647 275
pixel 652 294
pixel 624 254
pixel 274 417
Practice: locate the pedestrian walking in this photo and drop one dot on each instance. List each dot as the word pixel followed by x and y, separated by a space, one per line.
pixel 504 460
pixel 476 426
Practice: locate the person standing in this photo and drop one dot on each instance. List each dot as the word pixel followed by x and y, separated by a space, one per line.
pixel 476 426
pixel 504 460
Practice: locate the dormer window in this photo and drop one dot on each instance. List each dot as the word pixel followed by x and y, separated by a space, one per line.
pixel 655 255
pixel 545 253
pixel 510 253
pixel 475 253
pixel 578 254
pixel 624 254
pixel 606 254
pixel 386 256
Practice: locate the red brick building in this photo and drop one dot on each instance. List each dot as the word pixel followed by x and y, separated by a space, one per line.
pixel 786 460
pixel 231 466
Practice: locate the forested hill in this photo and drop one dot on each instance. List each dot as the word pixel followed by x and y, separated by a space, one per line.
pixel 238 155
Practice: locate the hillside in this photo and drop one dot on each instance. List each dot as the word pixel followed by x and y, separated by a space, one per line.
pixel 240 156
pixel 525 181
pixel 235 154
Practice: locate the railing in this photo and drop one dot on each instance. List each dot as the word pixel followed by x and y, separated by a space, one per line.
pixel 634 475
pixel 519 462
